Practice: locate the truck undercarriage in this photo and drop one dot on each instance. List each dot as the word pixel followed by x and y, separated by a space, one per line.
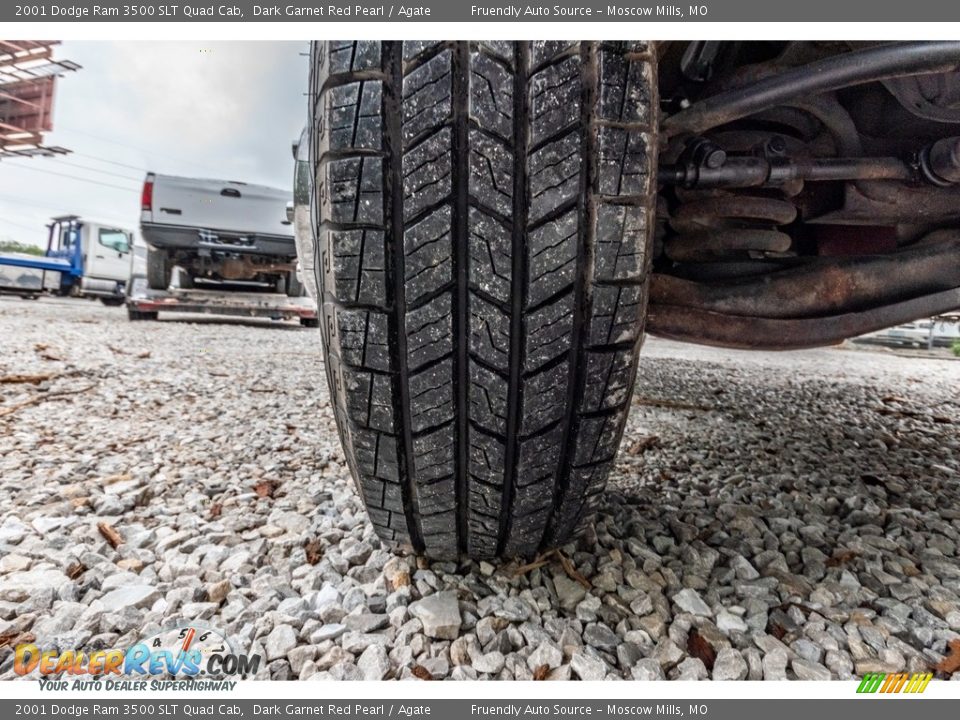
pixel 808 191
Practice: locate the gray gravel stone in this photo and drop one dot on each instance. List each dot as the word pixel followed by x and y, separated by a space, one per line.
pixel 440 615
pixel 281 640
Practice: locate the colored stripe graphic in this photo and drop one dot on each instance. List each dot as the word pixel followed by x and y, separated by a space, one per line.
pixel 894 683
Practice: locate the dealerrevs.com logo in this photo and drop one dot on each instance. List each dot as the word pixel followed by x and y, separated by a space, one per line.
pixel 182 656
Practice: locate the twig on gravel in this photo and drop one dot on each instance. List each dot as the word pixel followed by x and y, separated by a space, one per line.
pixel 545 559
pixel 672 404
pixel 27 379
pixel 41 398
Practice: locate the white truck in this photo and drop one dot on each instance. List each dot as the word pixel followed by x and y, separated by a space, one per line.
pixel 231 244
pixel 83 258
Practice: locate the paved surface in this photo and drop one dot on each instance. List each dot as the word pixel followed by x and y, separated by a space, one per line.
pixel 770 516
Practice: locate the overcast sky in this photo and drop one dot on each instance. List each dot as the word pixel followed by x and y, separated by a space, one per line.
pixel 221 109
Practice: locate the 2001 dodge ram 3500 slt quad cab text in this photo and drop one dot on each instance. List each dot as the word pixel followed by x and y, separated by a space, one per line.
pixel 496 224
pixel 217 231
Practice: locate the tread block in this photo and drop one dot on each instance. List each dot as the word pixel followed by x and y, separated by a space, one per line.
pixel 617 314
pixel 555 98
pixel 427 95
pixel 549 333
pixel 488 400
pixel 490 333
pixel 491 252
pixel 554 177
pixel 552 258
pixel 426 173
pixel 608 377
pixel 431 396
pixel 363 339
pixel 544 398
pixel 621 238
pixel 433 454
pixel 626 81
pixel 429 254
pixel 358 265
pixel 623 162
pixel 351 190
pixel 491 172
pixel 353 116
pixel 491 95
pixel 428 331
pixel 342 56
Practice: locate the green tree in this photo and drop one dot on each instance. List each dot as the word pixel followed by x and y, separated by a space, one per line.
pixel 8 245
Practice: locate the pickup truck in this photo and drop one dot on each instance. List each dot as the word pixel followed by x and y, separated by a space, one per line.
pixel 217 232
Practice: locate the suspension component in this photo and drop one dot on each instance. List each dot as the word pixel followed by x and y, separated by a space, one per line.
pixel 723 225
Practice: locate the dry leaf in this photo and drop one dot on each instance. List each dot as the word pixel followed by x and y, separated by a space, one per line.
pixel 421 672
pixel 641 445
pixel 110 534
pixel 699 647
pixel 215 510
pixel 951 663
pixel 842 557
pixel 542 672
pixel 143 355
pixel 75 570
pixel 314 550
pixel 266 488
pixel 15 637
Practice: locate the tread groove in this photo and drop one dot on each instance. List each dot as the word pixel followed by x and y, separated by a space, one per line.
pixel 393 213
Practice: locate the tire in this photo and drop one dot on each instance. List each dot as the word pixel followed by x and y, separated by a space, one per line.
pixel 112 301
pixel 310 322
pixel 294 287
pixel 483 215
pixel 159 269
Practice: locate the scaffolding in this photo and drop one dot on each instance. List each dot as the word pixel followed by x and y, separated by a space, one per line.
pixel 28 77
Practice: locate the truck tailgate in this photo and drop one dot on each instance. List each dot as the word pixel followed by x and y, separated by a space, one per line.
pixel 217 205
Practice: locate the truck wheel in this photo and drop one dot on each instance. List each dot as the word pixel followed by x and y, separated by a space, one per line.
pixel 112 301
pixel 483 219
pixel 159 269
pixel 294 288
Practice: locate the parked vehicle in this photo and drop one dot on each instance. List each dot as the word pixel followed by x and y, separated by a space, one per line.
pixel 497 223
pixel 928 333
pixel 217 231
pixel 216 247
pixel 83 258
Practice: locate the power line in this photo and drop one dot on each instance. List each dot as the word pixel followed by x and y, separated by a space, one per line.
pixel 164 155
pixel 111 162
pixel 91 169
pixel 19 225
pixel 97 170
pixel 77 177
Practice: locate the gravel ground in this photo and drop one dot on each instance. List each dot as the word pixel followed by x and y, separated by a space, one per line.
pixel 771 515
